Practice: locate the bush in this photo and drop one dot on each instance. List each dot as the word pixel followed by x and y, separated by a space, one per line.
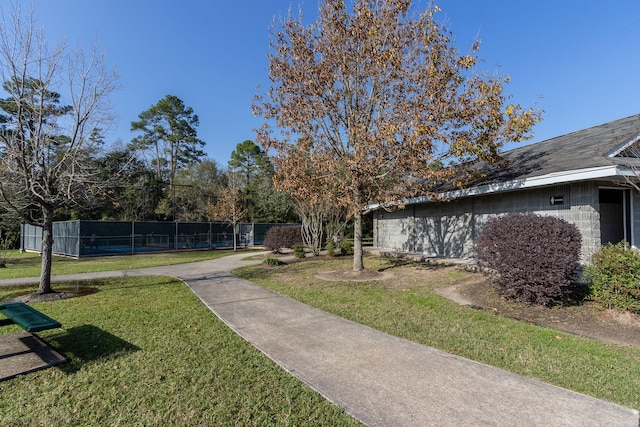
pixel 346 248
pixel 284 236
pixel 331 248
pixel 614 273
pixel 272 261
pixel 530 258
pixel 298 251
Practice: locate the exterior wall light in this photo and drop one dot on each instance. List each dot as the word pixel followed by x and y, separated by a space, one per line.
pixel 556 200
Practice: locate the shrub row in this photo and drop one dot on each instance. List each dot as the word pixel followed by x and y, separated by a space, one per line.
pixel 530 258
pixel 346 248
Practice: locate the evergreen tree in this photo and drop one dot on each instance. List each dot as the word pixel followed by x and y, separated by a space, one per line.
pixel 254 172
pixel 170 138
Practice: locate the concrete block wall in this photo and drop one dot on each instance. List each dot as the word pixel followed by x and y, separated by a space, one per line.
pixel 450 228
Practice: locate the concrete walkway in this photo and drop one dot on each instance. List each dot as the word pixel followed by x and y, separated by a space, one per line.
pixel 379 379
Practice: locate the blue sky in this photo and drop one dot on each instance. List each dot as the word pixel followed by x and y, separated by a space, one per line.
pixel 577 60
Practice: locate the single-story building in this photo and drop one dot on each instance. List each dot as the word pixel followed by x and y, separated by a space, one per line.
pixel 584 177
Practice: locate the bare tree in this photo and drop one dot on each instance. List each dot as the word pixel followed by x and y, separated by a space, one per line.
pixel 336 224
pixel 312 214
pixel 382 104
pixel 56 100
pixel 229 206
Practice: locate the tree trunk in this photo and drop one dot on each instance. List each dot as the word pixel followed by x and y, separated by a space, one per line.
pixel 312 230
pixel 235 238
pixel 47 247
pixel 358 264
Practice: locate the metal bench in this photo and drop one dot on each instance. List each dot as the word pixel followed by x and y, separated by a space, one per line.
pixel 27 317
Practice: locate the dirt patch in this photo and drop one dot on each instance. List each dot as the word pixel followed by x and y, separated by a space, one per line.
pixel 473 290
pixel 586 319
pixel 349 275
pixel 56 295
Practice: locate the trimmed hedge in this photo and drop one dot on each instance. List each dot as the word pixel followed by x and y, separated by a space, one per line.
pixel 530 258
pixel 284 236
pixel 614 273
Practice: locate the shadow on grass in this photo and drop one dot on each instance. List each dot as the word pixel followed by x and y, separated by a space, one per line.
pixel 105 285
pixel 89 344
pixel 402 262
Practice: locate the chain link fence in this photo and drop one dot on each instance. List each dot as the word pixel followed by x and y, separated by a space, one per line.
pixel 82 238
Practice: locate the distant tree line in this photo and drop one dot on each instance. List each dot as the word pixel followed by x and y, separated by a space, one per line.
pixel 161 188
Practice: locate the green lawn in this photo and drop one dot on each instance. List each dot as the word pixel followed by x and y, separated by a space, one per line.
pixel 413 311
pixel 28 264
pixel 146 351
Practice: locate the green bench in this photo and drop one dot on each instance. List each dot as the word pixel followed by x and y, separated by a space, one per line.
pixel 27 317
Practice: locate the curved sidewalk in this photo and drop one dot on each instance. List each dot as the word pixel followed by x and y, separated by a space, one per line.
pixel 380 379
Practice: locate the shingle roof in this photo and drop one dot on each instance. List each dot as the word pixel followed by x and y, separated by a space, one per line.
pixel 588 148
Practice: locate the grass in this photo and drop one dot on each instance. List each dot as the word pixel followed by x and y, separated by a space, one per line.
pixel 28 264
pixel 411 310
pixel 146 351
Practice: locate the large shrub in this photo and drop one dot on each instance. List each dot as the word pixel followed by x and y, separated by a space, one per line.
pixel 614 273
pixel 284 236
pixel 530 258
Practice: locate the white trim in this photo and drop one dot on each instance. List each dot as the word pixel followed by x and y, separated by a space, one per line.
pixel 554 178
pixel 532 182
pixel 620 148
pixel 632 240
pixel 624 216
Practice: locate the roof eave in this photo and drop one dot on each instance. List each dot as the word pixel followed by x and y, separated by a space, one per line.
pixel 587 174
